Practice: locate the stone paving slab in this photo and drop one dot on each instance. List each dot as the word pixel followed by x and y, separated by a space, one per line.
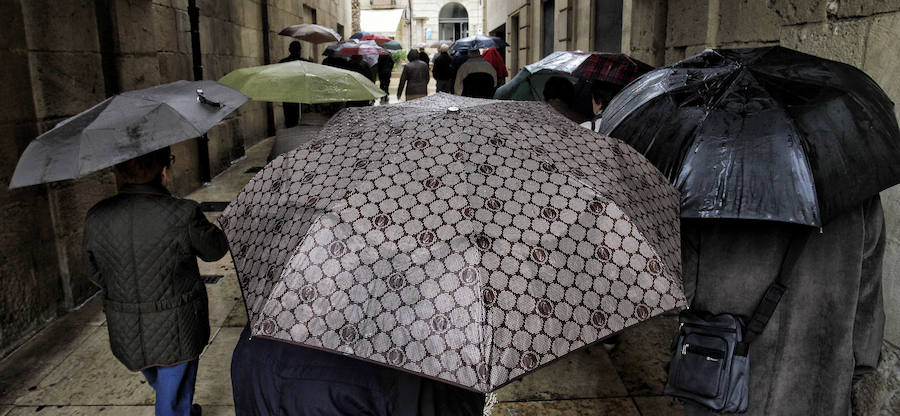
pixel 641 354
pixel 582 407
pixel 82 411
pixel 237 317
pixel 584 374
pixel 91 375
pixel 214 374
pixel 36 359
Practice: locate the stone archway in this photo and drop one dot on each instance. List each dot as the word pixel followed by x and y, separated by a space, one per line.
pixel 453 21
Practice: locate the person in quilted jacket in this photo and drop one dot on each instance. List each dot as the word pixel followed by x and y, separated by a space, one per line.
pixel 141 248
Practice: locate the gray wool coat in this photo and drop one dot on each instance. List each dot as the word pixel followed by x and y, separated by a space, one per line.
pixel 829 325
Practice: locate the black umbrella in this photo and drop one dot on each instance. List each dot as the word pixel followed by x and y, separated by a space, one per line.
pixel 763 133
pixel 478 42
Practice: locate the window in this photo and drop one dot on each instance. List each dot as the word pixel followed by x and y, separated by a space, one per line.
pixel 453 21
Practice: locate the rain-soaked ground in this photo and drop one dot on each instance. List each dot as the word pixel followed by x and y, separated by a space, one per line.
pixel 68 369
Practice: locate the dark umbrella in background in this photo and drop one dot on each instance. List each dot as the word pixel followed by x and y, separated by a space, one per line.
pixel 478 42
pixel 356 47
pixel 461 239
pixel 764 133
pixel 124 127
pixel 359 35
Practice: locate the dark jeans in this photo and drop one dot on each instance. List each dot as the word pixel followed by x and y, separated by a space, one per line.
pixel 174 387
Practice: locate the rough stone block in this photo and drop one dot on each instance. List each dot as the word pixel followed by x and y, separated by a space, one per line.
pixel 17 104
pixel 134 25
pixel 856 8
pixel 165 28
pixel 747 20
pixel 794 12
pixel 880 391
pixel 843 41
pixel 61 25
pixel 13 26
pixel 138 71
pixel 174 66
pixel 65 83
pixel 688 22
pixel 674 54
pixel 183 31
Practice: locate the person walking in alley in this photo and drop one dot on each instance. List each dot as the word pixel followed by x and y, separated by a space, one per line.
pixel 443 71
pixel 385 67
pixel 414 77
pixel 423 56
pixel 273 377
pixel 141 248
pixel 475 77
pixel 496 60
pixel 292 110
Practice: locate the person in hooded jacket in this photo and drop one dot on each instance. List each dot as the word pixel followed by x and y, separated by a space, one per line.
pixel 385 67
pixel 141 248
pixel 443 71
pixel 414 77
pixel 492 56
pixel 272 377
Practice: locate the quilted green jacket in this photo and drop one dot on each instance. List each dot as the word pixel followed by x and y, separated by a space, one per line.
pixel 140 247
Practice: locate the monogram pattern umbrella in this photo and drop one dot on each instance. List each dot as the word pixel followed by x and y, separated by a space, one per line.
pixel 467 240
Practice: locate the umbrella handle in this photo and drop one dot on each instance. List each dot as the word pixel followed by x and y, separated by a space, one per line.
pixel 202 99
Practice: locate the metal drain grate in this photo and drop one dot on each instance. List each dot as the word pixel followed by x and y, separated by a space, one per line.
pixel 215 206
pixel 211 279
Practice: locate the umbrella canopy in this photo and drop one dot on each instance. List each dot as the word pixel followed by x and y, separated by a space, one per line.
pixel 466 240
pixel 123 127
pixel 311 33
pixel 356 47
pixel 379 39
pixel 302 82
pixel 359 35
pixel 478 42
pixel 529 86
pixel 392 45
pixel 764 133
pixel 613 68
pixel 438 43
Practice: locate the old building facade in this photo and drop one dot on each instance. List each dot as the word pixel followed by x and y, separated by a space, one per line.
pixel 59 58
pixel 426 21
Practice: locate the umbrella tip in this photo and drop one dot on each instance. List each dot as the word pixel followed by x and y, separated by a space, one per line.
pixel 452 109
pixel 202 99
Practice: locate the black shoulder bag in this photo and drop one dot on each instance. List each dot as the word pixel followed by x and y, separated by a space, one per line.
pixel 711 362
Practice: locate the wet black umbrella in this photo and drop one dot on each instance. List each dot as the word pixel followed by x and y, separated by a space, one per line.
pixel 478 42
pixel 763 133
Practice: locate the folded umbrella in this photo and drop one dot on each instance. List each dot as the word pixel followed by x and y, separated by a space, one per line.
pixel 301 82
pixel 467 240
pixel 311 33
pixel 123 127
pixel 763 133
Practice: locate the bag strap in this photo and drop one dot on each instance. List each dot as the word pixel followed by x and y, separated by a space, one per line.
pixel 769 301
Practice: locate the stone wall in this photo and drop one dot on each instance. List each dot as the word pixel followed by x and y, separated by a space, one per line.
pixel 59 58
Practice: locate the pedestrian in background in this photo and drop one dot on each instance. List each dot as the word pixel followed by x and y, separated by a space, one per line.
pixel 358 65
pixel 559 93
pixel 141 248
pixel 475 77
pixel 385 67
pixel 414 77
pixel 423 56
pixel 493 57
pixel 292 110
pixel 443 71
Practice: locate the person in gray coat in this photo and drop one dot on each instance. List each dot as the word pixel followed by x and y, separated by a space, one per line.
pixel 829 326
pixel 141 248
pixel 415 77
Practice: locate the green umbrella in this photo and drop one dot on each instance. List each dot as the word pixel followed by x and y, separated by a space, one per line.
pixel 392 45
pixel 301 82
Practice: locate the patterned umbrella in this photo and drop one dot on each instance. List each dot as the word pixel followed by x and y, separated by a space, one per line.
pixel 311 33
pixel 471 241
pixel 359 35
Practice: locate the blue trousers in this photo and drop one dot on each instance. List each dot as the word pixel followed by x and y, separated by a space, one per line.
pixel 174 387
